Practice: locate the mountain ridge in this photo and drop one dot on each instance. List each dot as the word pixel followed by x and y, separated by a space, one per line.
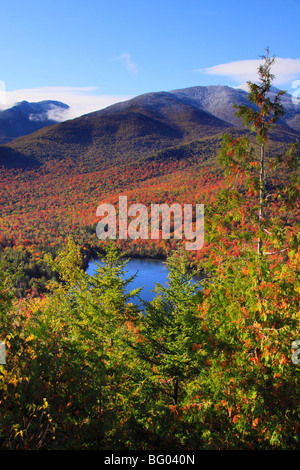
pixel 156 148
pixel 25 117
pixel 145 124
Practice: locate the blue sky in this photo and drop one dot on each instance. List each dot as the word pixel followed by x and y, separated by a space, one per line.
pixel 91 53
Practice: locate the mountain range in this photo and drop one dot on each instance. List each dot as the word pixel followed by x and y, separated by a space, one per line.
pixel 25 118
pixel 136 128
pixel 158 147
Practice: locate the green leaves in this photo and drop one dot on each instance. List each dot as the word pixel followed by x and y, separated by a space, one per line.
pixel 250 307
pixel 205 368
pixel 169 330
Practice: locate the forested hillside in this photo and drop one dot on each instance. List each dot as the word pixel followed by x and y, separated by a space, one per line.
pixel 205 367
pixel 155 148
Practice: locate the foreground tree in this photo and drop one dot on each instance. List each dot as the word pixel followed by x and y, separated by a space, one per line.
pixel 167 354
pixel 208 368
pixel 269 180
pixel 250 304
pixel 67 363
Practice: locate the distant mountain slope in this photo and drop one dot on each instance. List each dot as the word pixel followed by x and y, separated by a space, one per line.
pixel 219 100
pixel 155 148
pixel 10 158
pixel 124 131
pixel 139 127
pixel 25 118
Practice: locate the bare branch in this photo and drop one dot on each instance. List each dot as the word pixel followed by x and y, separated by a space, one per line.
pixel 274 252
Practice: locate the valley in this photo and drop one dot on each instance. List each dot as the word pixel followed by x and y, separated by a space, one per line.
pixel 155 148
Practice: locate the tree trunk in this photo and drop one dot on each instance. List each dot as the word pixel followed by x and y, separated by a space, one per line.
pixel 176 390
pixel 261 198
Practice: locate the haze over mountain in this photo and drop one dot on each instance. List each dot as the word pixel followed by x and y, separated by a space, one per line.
pixel 25 118
pixel 141 126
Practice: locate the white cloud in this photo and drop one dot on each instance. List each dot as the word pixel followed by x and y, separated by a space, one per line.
pixel 126 59
pixel 285 70
pixel 82 100
pixel 2 92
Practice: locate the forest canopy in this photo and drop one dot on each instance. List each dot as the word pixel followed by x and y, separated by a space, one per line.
pixel 205 366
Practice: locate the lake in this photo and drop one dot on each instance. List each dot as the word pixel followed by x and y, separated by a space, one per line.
pixel 148 273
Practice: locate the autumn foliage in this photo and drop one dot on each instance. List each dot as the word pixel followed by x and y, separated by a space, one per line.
pixel 204 367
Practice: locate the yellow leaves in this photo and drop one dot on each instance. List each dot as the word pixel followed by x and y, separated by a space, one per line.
pixel 14 381
pixel 45 403
pixel 19 433
pixel 29 338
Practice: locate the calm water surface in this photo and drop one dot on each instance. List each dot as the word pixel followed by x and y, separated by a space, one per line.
pixel 148 273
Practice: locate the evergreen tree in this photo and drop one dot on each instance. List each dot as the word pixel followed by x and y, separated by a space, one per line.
pixel 270 181
pixel 250 304
pixel 67 362
pixel 165 344
pixel 168 329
